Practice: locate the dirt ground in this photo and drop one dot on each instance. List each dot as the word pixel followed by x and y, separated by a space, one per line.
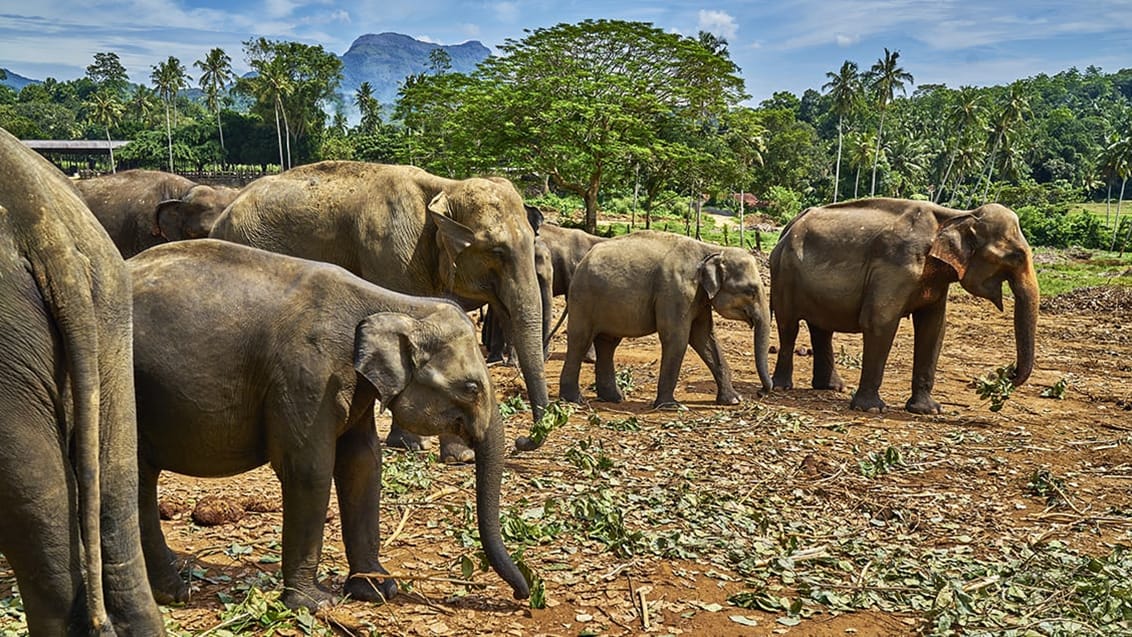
pixel 644 521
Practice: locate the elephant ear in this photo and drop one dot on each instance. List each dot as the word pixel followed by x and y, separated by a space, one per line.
pixel 954 243
pixel 452 235
pixel 384 353
pixel 534 217
pixel 711 274
pixel 165 206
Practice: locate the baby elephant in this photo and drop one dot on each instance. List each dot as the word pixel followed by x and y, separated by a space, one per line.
pixel 273 359
pixel 659 282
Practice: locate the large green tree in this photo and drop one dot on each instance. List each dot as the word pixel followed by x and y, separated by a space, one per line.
pixel 576 100
pixel 108 73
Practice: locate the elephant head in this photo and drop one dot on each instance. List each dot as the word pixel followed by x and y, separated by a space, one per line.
pixel 986 247
pixel 487 244
pixel 192 215
pixel 430 374
pixel 732 282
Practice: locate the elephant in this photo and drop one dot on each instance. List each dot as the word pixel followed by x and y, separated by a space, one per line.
pixel 68 448
pixel 861 266
pixel 658 282
pixel 144 208
pixel 410 231
pixel 280 360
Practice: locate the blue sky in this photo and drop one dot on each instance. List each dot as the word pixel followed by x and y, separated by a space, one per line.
pixel 778 45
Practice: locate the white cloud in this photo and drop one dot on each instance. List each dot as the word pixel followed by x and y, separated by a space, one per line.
pixel 846 40
pixel 506 11
pixel 720 23
pixel 470 30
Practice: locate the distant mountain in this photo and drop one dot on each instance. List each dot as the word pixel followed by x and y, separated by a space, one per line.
pixel 17 81
pixel 386 59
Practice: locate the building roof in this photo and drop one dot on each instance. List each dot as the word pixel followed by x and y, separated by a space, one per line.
pixel 77 146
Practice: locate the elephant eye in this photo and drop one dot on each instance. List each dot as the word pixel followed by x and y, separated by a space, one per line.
pixel 472 388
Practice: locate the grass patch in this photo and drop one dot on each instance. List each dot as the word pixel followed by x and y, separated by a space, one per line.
pixel 1061 271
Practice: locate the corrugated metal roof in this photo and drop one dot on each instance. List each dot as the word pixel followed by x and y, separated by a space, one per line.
pixel 74 146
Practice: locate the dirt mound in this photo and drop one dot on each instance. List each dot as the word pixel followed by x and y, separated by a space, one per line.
pixel 1107 299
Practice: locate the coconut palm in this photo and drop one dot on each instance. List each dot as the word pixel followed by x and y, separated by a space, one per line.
pixel 216 73
pixel 1015 108
pixel 845 89
pixel 143 104
pixel 169 77
pixel 368 106
pixel 106 110
pixel 885 77
pixel 860 151
pixel 965 115
pixel 1118 158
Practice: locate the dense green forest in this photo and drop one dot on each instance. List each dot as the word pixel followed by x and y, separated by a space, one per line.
pixel 620 117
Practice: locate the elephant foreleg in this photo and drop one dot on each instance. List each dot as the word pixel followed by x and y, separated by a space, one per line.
pixel 160 563
pixel 578 338
pixel 703 341
pixel 784 364
pixel 673 345
pixel 825 369
pixel 304 471
pixel 877 344
pixel 357 479
pixel 929 325
pixel 604 373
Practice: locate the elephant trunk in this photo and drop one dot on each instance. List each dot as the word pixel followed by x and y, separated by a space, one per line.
pixel 1024 285
pixel 525 325
pixel 762 346
pixel 489 474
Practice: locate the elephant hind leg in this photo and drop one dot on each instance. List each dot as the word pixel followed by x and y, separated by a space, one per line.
pixel 877 345
pixel 825 374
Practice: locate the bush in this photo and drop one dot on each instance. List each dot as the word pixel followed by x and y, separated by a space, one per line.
pixel 1054 226
pixel 785 204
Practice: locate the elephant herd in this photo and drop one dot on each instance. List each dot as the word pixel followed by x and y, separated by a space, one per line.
pixel 307 299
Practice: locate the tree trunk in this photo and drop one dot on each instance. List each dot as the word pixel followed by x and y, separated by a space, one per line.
pixel 110 148
pixel 876 154
pixel 169 136
pixel 1116 222
pixel 836 168
pixel 742 224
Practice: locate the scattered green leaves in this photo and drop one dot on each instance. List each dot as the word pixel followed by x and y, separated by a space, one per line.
pixel 881 462
pixel 996 386
pixel 1057 390
pixel 513 405
pixel 557 414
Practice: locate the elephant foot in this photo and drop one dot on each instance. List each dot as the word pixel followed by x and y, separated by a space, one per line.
pixel 167 585
pixel 870 402
pixel 407 440
pixel 782 382
pixel 310 597
pixel 923 405
pixel 369 589
pixel 570 396
pixel 728 398
pixel 668 404
pixel 609 394
pixel 526 443
pixel 454 451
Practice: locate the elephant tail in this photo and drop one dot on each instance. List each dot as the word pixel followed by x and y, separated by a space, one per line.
pixel 65 281
pixel 554 330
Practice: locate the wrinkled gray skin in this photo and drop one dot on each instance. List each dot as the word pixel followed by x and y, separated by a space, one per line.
pixel 657 282
pixel 144 208
pixel 493 331
pixel 862 266
pixel 280 361
pixel 410 231
pixel 68 451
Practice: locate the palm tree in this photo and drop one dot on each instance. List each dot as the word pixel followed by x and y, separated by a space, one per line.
pixel 861 152
pixel 143 103
pixel 169 77
pixel 885 78
pixel 270 85
pixel 216 73
pixel 845 89
pixel 106 110
pixel 965 115
pixel 1015 108
pixel 368 106
pixel 1118 155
